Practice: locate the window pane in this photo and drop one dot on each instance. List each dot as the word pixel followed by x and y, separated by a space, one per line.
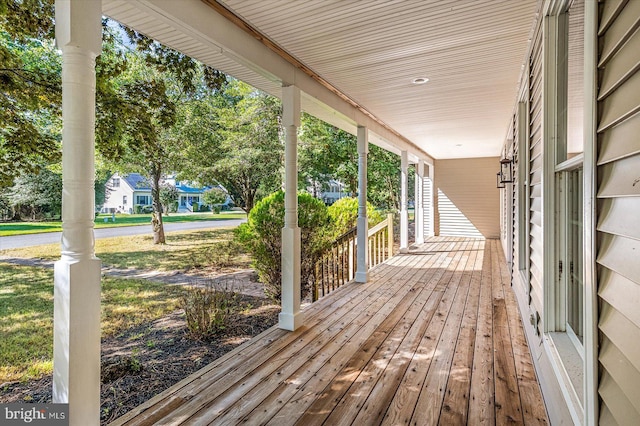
pixel 575 289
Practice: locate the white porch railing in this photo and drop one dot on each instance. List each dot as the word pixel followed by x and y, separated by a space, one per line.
pixel 337 265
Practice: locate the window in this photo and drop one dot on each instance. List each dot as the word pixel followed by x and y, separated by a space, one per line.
pixel 143 200
pixel 124 200
pixel 115 182
pixel 570 250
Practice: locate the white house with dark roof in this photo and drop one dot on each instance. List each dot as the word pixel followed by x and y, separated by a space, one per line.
pixel 123 193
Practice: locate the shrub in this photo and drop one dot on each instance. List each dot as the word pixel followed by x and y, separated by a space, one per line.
pixel 208 308
pixel 138 208
pixel 147 209
pixel 262 236
pixel 195 206
pixel 204 208
pixel 344 215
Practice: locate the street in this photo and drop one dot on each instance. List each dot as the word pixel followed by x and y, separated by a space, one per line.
pixel 29 240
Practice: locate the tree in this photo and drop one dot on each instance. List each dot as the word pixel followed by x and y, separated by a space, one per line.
pixel 37 195
pixel 239 129
pixel 168 196
pixel 326 152
pixel 214 197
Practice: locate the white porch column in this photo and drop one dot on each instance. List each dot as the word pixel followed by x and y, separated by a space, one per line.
pixel 76 345
pixel 290 317
pixel 404 214
pixel 419 202
pixel 362 271
pixel 429 211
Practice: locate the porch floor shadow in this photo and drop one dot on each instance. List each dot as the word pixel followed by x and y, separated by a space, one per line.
pixel 434 337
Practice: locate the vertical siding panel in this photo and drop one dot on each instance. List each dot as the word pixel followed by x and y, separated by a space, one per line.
pixel 618 211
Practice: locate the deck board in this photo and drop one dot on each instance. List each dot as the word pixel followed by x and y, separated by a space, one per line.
pixel 434 337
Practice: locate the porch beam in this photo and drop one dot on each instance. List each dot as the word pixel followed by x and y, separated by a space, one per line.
pixel 76 346
pixel 419 203
pixel 362 270
pixel 404 213
pixel 290 317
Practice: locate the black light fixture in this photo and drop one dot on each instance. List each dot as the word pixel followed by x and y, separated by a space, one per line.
pixel 499 183
pixel 506 170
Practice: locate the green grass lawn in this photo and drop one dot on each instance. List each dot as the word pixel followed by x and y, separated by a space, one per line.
pixel 184 251
pixel 22 228
pixel 26 293
pixel 26 315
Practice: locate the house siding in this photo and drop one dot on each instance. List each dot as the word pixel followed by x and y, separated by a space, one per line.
pixel 534 172
pixel 468 203
pixel 618 193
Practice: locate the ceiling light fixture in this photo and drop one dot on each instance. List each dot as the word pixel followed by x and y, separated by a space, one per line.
pixel 419 80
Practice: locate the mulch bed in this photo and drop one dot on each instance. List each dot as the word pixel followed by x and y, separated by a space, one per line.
pixel 148 359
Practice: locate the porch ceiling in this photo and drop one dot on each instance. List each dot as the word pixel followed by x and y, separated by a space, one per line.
pixel 472 52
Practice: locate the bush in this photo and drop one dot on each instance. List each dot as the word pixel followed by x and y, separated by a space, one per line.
pixel 137 209
pixel 208 308
pixel 204 208
pixel 147 209
pixel 344 215
pixel 173 207
pixel 262 236
pixel 195 206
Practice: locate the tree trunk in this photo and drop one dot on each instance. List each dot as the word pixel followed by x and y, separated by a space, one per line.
pixel 156 218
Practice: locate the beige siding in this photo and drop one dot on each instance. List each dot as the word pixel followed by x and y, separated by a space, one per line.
pixel 468 201
pixel 619 212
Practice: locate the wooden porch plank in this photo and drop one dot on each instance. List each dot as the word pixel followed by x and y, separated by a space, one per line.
pixel 507 394
pixel 324 404
pixel 311 376
pixel 388 366
pixel 230 384
pixel 455 406
pixel 434 337
pixel 401 407
pixel 427 410
pixel 481 401
pixel 290 379
pixel 533 408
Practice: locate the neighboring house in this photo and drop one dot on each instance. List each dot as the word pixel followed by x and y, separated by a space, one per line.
pixel 123 193
pixel 329 192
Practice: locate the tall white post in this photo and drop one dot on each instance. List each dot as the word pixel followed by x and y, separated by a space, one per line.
pixel 290 317
pixel 428 207
pixel 419 203
pixel 404 213
pixel 362 271
pixel 76 345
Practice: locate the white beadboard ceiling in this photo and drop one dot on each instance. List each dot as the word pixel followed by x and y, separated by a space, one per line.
pixel 472 52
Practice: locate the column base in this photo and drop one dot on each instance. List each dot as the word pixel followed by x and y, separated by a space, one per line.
pixel 361 277
pixel 290 322
pixel 76 338
pixel 404 250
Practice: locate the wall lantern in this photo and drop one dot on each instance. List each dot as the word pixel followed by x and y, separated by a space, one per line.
pixel 499 183
pixel 506 170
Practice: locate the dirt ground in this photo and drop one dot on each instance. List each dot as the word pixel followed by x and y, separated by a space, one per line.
pixel 145 360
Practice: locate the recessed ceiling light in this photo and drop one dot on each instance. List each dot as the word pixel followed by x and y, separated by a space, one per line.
pixel 458 144
pixel 420 80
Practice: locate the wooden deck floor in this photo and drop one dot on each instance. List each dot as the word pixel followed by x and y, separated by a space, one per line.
pixel 433 338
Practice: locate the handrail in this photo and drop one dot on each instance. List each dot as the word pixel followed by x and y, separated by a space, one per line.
pixel 337 265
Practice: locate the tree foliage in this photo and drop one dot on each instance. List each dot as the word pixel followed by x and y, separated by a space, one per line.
pixel 37 195
pixel 239 130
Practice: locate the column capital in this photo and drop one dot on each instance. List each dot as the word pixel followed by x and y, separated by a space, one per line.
pixel 78 24
pixel 290 106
